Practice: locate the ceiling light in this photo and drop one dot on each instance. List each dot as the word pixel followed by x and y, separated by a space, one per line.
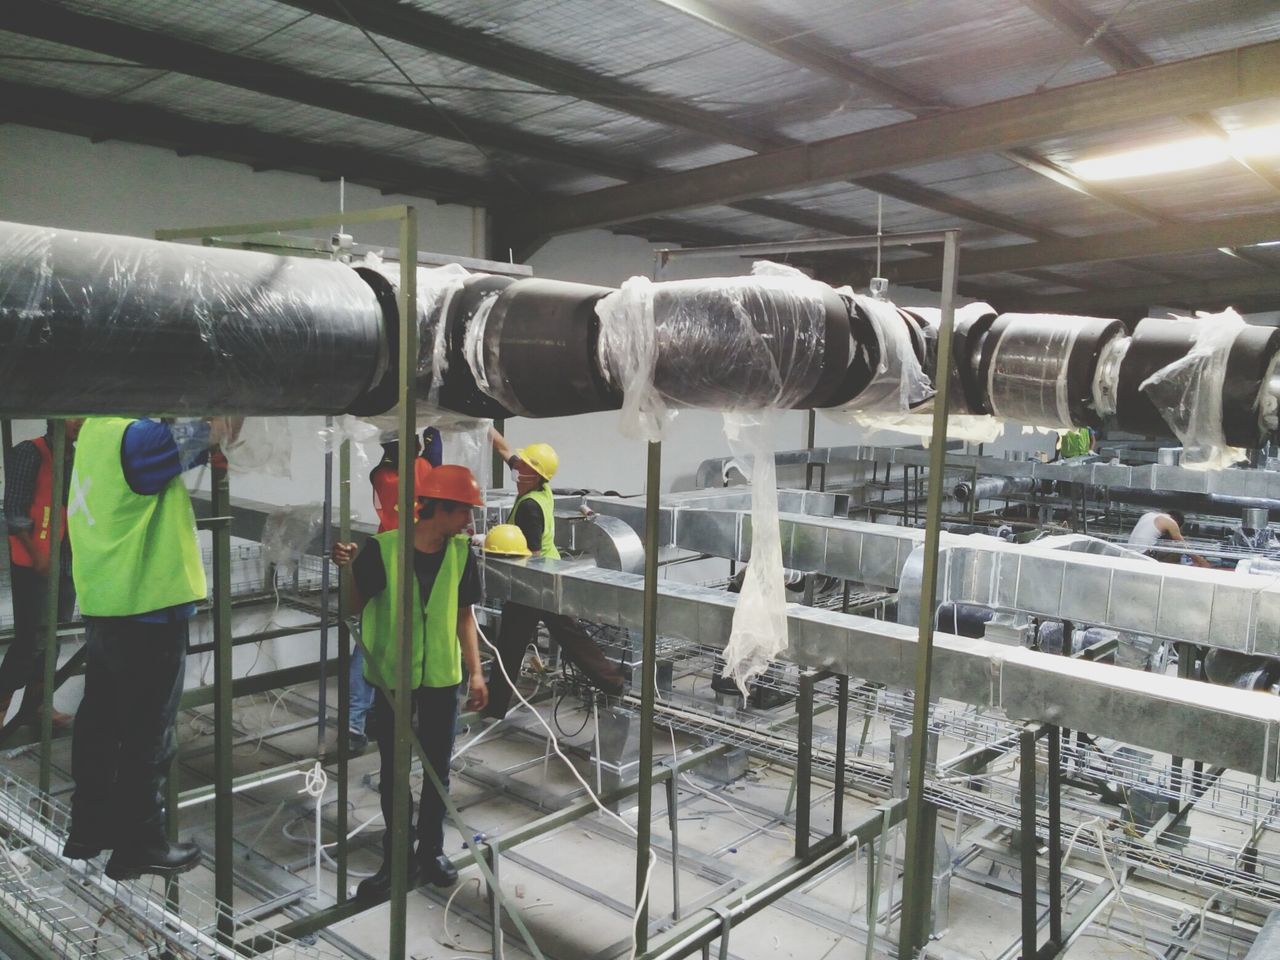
pixel 1258 142
pixel 1149 161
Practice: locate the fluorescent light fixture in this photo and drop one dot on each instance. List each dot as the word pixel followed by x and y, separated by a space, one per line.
pixel 1179 155
pixel 1258 142
pixel 1150 161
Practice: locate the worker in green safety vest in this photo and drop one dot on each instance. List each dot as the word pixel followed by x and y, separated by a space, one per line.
pixel 446 586
pixel 534 513
pixel 1075 443
pixel 138 574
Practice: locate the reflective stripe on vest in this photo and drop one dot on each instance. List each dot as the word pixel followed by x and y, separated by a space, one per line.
pixel 132 553
pixel 40 512
pixel 436 659
pixel 543 498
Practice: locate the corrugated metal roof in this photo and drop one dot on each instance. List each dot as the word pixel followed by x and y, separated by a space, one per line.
pixel 551 125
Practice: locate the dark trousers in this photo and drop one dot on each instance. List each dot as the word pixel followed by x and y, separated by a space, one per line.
pixel 519 629
pixel 435 713
pixel 124 739
pixel 24 660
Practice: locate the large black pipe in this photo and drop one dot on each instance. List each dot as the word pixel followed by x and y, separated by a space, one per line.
pixel 91 323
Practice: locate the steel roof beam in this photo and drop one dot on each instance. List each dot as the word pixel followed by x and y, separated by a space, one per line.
pixel 1201 83
pixel 154 126
pixel 1256 291
pixel 1122 245
pixel 1116 51
pixel 436 34
pixel 840 67
pixel 155 49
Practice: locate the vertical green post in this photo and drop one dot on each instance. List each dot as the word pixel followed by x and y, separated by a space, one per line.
pixel 648 688
pixel 919 858
pixel 223 813
pixel 326 539
pixel 344 666
pixel 53 582
pixel 399 825
pixel 497 478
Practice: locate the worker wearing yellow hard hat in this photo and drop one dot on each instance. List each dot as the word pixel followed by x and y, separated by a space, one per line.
pixel 533 516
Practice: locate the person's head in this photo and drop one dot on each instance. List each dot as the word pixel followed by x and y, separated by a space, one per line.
pixel 506 540
pixel 446 496
pixel 535 466
pixel 1178 517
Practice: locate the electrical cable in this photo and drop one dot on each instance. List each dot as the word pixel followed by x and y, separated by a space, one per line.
pixel 653 857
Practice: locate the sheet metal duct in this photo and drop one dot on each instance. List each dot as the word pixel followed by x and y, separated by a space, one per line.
pixel 92 323
pixel 1237 729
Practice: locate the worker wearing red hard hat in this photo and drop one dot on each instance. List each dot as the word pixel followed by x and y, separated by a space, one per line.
pixel 444 635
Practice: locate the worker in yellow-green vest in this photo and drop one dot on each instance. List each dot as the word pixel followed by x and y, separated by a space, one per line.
pixel 534 513
pixel 444 635
pixel 138 575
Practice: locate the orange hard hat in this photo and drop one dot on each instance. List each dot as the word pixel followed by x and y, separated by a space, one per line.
pixel 450 481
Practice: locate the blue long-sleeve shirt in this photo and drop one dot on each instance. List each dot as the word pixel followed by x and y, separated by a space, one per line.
pixel 152 454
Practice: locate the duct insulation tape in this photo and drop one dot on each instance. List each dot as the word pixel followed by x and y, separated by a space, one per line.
pixel 92 323
pixel 1038 369
pixel 538 354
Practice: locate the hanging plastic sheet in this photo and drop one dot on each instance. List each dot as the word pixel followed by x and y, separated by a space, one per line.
pixel 759 630
pixel 264 445
pixel 1188 392
pixel 363 436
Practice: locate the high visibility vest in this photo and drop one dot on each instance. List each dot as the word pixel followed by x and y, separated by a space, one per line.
pixel 132 553
pixel 436 659
pixel 1074 443
pixel 40 512
pixel 542 497
pixel 386 495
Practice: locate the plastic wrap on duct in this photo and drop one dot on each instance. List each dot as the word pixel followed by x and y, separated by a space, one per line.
pixel 735 343
pixel 965 421
pixel 1188 392
pixel 91 323
pixel 1106 379
pixel 1039 368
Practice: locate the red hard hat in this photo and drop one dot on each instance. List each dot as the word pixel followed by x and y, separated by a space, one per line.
pixel 450 481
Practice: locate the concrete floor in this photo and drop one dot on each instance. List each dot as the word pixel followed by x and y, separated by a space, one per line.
pixel 574 887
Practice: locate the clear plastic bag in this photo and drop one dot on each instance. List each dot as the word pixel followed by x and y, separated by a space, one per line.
pixel 1188 392
pixel 288 532
pixel 759 631
pixel 264 446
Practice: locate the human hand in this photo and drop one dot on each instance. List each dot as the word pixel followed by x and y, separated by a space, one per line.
pixel 478 690
pixel 344 553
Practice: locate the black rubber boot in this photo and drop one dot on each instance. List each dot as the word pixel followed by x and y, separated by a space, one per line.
pixel 439 871
pixel 165 859
pixel 378 886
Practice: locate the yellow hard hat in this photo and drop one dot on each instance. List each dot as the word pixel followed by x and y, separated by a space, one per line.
pixel 542 458
pixel 506 540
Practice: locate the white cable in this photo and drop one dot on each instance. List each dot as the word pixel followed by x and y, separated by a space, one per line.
pixel 653 857
pixel 314 786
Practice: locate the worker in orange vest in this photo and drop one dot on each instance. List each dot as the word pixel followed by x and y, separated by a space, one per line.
pixel 28 513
